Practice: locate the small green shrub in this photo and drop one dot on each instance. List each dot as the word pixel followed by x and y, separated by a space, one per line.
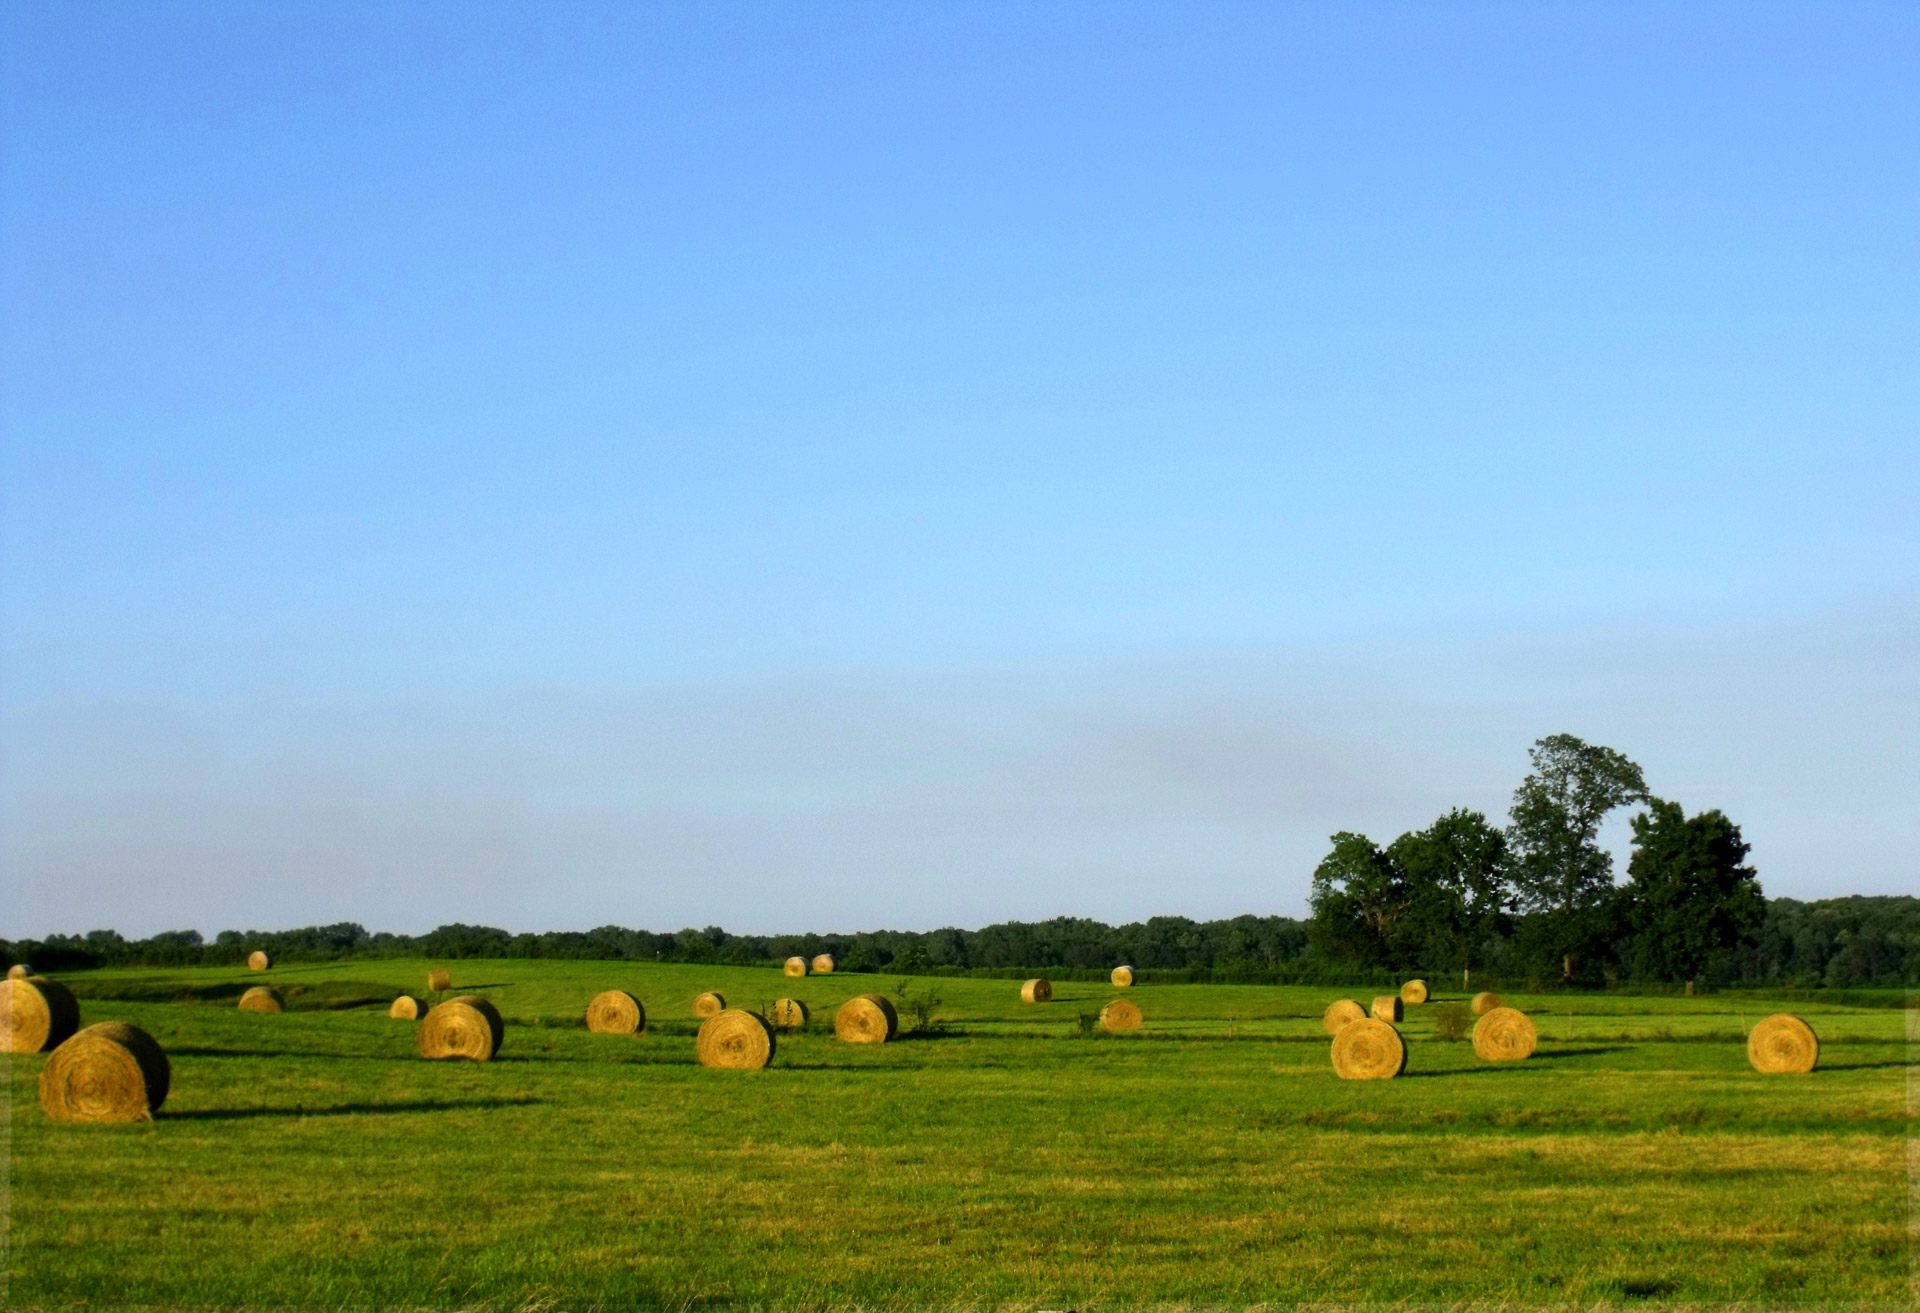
pixel 1451 1021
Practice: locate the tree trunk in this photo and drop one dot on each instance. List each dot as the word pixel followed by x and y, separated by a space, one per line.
pixel 1689 989
pixel 1566 967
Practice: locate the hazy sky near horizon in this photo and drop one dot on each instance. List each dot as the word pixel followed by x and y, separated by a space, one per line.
pixel 840 465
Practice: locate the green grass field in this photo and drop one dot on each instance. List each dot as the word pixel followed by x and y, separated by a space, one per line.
pixel 312 1158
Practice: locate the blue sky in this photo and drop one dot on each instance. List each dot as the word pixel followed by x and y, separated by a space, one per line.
pixel 672 464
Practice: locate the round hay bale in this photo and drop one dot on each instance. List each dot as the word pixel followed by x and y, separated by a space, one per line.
pixel 709 1005
pixel 1341 1014
pixel 1122 977
pixel 405 1008
pixel 868 1019
pixel 796 966
pixel 465 1027
pixel 1039 990
pixel 735 1038
pixel 1389 1007
pixel 1121 1014
pixel 258 961
pixel 616 1012
pixel 823 965
pixel 1484 1003
pixel 1414 992
pixel 107 1073
pixel 1369 1049
pixel 262 998
pixel 791 1014
pixel 439 980
pixel 19 971
pixel 1782 1045
pixel 1504 1035
pixel 36 1014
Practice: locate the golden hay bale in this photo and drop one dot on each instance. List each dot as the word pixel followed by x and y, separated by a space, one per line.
pixel 405 1008
pixel 19 971
pixel 1038 990
pixel 1414 992
pixel 735 1038
pixel 36 1014
pixel 823 965
pixel 1484 1003
pixel 709 1005
pixel 796 966
pixel 616 1012
pixel 1341 1014
pixel 790 1014
pixel 465 1027
pixel 1504 1035
pixel 868 1019
pixel 258 961
pixel 439 980
pixel 1122 977
pixel 107 1073
pixel 1121 1014
pixel 1369 1049
pixel 262 998
pixel 1389 1007
pixel 1783 1044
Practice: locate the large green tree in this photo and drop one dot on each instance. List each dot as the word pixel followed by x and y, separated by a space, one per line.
pixel 1563 876
pixel 1690 899
pixel 1361 904
pixel 1455 872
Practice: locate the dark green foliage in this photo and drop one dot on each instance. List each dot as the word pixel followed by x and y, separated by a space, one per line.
pixel 1451 1021
pixel 1455 873
pixel 1691 900
pixel 1361 904
pixel 1562 875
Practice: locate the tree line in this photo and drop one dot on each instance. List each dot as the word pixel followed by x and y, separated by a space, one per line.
pixel 1534 903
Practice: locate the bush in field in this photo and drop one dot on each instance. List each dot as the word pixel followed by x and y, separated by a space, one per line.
pixel 1450 1021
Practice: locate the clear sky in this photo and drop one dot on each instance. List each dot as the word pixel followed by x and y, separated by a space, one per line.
pixel 824 466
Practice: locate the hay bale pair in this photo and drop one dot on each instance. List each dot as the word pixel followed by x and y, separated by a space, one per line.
pixel 616 1012
pixel 110 1072
pixel 467 1027
pixel 36 1014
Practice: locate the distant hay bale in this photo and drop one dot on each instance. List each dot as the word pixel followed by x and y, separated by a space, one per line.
pixel 616 1012
pixel 735 1038
pixel 796 966
pixel 1122 977
pixel 107 1073
pixel 868 1019
pixel 1389 1007
pixel 1121 1014
pixel 1369 1049
pixel 258 961
pixel 262 998
pixel 790 1014
pixel 1484 1003
pixel 1038 990
pixel 709 1005
pixel 1783 1045
pixel 465 1027
pixel 823 965
pixel 405 1008
pixel 1504 1035
pixel 1341 1014
pixel 36 1014
pixel 1414 992
pixel 19 971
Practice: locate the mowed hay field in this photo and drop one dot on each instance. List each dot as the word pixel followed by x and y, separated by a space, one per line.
pixel 311 1157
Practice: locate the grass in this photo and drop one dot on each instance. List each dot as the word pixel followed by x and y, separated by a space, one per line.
pixel 311 1158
